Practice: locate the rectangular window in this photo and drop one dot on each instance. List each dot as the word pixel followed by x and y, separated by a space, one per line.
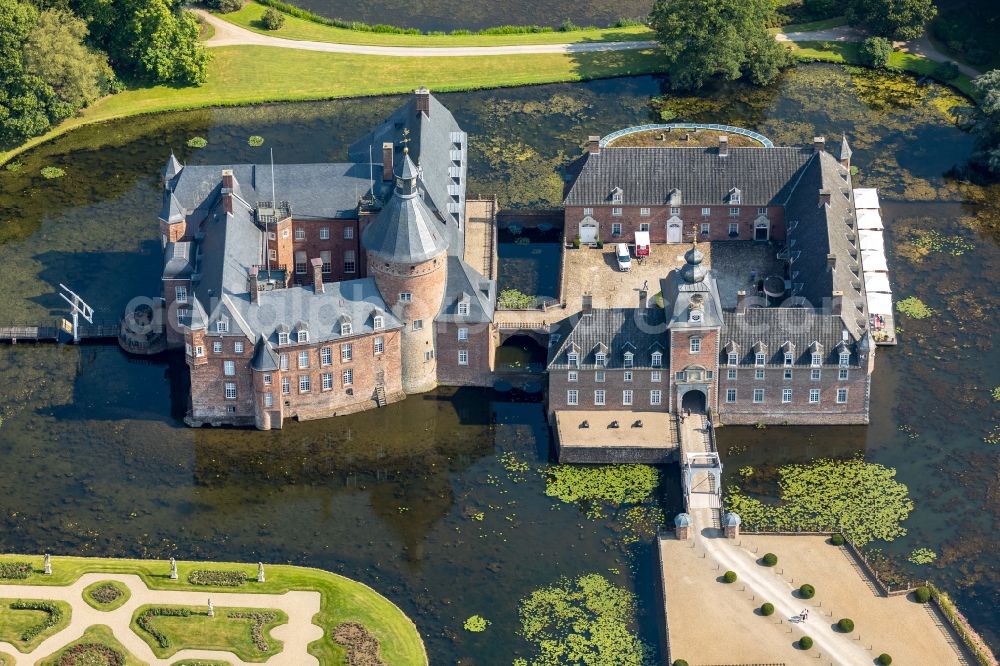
pixel 656 376
pixel 675 210
pixel 350 263
pixel 759 358
pixel 705 228
pixel 616 197
pixel 272 255
pixel 816 359
pixel 845 359
pixel 348 233
pixel 813 396
pixel 730 395
pixel 762 210
pixel 841 396
pixel 463 357
pixel 230 391
pixel 617 212
pixel 731 373
pixel 734 228
pixel 325 356
pixel 284 233
pixel 815 374
pixel 695 345
pixel 302 336
pixel 181 294
pixel 628 375
pixel 238 347
pixel 283 361
pixel 572 397
pixel 628 359
pixel 303 359
pixel 346 352
pixel 286 386
pixel 405 296
pixel 216 347
pixel 379 344
pixel 705 212
pixel 572 376
pixel 786 395
pixel 655 397
pixel 301 263
pixel 327 381
pixel 788 358
pixel 268 399
pixel 588 211
pixel 599 397
pixel 842 374
pixel 616 229
pixel 788 373
pixel 600 358
pixel 305 384
pixel 758 395
pixel 428 355
pixel 599 376
pixel 657 359
pixel 463 334
pixel 300 234
pixel 758 374
pixel 324 233
pixel 573 359
pixel 229 368
pixel 463 309
pixel 627 397
pixel 732 358
pixel 327 258
pixel 222 326
pixel 644 212
pixel 418 324
pixel 378 322
pixel 644 226
pixel 267 379
pixel 734 212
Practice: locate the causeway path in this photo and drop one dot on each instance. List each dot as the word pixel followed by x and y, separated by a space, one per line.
pixel 296 635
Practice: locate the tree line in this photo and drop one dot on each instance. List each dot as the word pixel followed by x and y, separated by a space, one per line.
pixel 58 56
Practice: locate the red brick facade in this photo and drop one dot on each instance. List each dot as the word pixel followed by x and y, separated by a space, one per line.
pixel 718 220
pixel 700 367
pixel 479 349
pixel 642 384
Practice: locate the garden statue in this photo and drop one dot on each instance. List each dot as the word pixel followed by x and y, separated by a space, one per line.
pixel 260 572
pixel 173 569
pixel 211 609
pixel 48 565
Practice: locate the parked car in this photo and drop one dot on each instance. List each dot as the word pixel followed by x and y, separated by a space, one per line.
pixel 624 258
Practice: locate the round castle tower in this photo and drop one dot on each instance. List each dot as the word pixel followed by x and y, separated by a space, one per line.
pixel 407 256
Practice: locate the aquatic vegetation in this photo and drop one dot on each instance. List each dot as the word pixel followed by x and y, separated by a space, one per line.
pixel 197 142
pixel 746 471
pixel 593 486
pixel 914 308
pixel 581 621
pixel 922 556
pixel 993 437
pixel 255 141
pixel 512 299
pixel 931 240
pixel 641 522
pixel 996 393
pixel 15 166
pixel 476 623
pixel 861 499
pixel 50 172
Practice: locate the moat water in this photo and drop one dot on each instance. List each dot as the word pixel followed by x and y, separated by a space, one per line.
pixel 96 460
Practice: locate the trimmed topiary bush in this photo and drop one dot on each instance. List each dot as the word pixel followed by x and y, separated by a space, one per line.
pixel 769 559
pixel 729 577
pixel 837 539
pixel 680 662
pixel 922 594
pixel 805 642
pixel 767 609
pixel 807 591
pixel 846 625
pixel 884 659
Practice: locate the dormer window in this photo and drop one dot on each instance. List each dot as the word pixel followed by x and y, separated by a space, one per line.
pixel 601 358
pixel 657 360
pixel 788 358
pixel 845 359
pixel 629 357
pixel 735 196
pixel 817 359
pixel 222 326
pixel 616 195
pixel 759 358
pixel 283 338
pixel 733 358
pixel 303 336
pixel 378 322
pixel 573 359
pixel 463 309
pixel 345 328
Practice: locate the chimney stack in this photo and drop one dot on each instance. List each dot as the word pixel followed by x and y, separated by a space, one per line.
pixel 317 265
pixel 387 161
pixel 741 302
pixel 228 181
pixel 594 145
pixel 723 146
pixel 837 303
pixel 587 305
pixel 253 284
pixel 831 261
pixel 423 101
pixel 824 198
pixel 819 144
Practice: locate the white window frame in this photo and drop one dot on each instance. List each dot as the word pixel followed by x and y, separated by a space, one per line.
pixel 300 233
pixel 733 359
pixel 734 211
pixel 324 233
pixel 644 226
pixel 346 328
pixel 694 345
pixel 656 376
pixel 405 297
pixel 267 379
pixel 463 334
pixel 655 397
pixel 463 357
pixel 286 386
pixel 378 322
pixel 305 384
pixel 222 326
pixel 657 359
pixel 788 373
pixel 758 396
pixel 842 374
pixel 283 361
pixel 815 374
pixel 587 212
pixel 303 360
pixel 347 376
pixel 326 381
pixel 706 212
pixel 841 396
pixel 627 377
pixel 644 212
pixel 758 374
pixel 217 347
pixel 600 358
pixel 616 212
pixel 759 359
pixel 616 229
pixel 573 358
pixel 627 397
pixel 786 395
pixel 572 397
pixel 628 359
pixel 229 368
pixel 418 324
pixel 379 345
pixel 181 294
pixel 731 395
pixel 789 358
pixel 734 228
pixel 463 309
pixel 230 390
pixel 675 210
pixel 572 376
pixel 238 347
pixel 600 397
pixel 731 373
pixel 348 233
pixel 816 360
pixel 814 396
pixel 269 399
pixel 761 210
pixel 346 352
pixel 326 356
pixel 302 336
pixel 845 359
pixel 706 228
pixel 599 376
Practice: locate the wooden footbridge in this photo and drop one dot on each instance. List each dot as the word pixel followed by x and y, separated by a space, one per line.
pixel 58 330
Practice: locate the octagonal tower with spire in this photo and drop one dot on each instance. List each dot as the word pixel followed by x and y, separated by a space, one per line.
pixel 407 256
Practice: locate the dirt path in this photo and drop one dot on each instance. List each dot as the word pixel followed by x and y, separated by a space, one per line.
pixel 924 47
pixel 296 634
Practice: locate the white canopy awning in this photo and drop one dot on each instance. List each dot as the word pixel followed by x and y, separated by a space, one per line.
pixel 871 240
pixel 880 303
pixel 873 261
pixel 877 282
pixel 870 219
pixel 866 197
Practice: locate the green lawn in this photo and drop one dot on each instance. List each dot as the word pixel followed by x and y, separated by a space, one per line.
pixel 100 635
pixel 252 74
pixel 124 595
pixel 14 622
pixel 343 600
pixel 6 659
pixel 297 28
pixel 221 632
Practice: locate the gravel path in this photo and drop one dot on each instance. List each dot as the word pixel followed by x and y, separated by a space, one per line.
pixel 296 634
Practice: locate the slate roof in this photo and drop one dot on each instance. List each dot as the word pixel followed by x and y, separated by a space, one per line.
pixel 264 356
pixel 776 326
pixel 466 284
pixel 179 260
pixel 172 168
pixel 648 175
pixel 172 211
pixel 430 145
pixel 643 328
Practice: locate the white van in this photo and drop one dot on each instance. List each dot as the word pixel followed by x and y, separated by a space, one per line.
pixel 624 258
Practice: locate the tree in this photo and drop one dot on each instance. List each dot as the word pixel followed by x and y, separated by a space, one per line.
pixel 896 19
pixel 55 52
pixel 152 39
pixel 984 120
pixel 272 19
pixel 727 38
pixel 876 51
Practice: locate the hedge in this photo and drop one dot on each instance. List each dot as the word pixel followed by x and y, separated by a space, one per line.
pixel 217 577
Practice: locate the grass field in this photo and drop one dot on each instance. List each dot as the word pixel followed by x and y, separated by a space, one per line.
pixel 14 622
pixel 297 28
pixel 101 635
pixel 343 600
pixel 198 631
pixel 253 74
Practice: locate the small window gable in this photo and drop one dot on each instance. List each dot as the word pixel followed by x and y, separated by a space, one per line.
pixel 345 324
pixel 282 331
pixel 735 196
pixel 759 347
pixel 301 332
pixel 674 198
pixel 628 346
pixel 616 195
pixel 732 348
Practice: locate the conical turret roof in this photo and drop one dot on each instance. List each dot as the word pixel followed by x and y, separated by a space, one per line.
pixel 172 168
pixel 406 230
